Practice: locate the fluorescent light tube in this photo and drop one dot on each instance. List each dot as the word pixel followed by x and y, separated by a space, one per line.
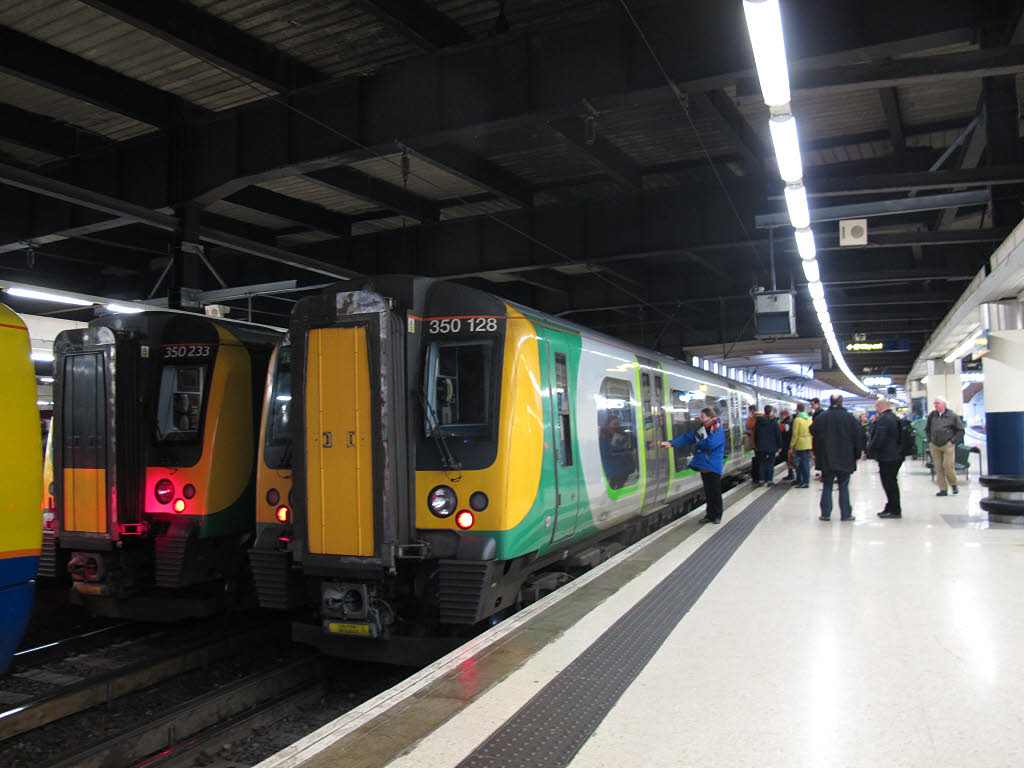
pixel 123 309
pixel 805 244
pixel 819 305
pixel 796 204
pixel 811 271
pixel 764 24
pixel 787 147
pixel 42 357
pixel 25 293
pixel 816 289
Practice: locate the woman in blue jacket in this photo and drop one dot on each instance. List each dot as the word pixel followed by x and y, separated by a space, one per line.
pixel 709 452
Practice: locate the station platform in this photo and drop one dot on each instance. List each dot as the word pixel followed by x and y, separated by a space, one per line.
pixel 773 639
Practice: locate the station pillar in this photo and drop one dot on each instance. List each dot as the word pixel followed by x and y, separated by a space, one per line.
pixel 943 380
pixel 1004 411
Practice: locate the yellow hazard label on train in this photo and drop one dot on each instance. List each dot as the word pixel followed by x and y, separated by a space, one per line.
pixel 337 628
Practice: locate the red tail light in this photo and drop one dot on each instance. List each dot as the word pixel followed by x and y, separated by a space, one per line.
pixel 465 519
pixel 164 491
pixel 283 514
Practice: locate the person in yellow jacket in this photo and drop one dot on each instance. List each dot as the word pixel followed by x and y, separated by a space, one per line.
pixel 800 444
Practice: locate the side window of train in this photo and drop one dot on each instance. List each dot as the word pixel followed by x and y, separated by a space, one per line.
pixel 459 385
pixel 181 401
pixel 685 409
pixel 562 406
pixel 616 424
pixel 720 403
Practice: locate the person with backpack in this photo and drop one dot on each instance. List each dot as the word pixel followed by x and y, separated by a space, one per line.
pixel 886 448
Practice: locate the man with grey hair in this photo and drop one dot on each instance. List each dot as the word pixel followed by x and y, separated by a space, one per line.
pixel 944 429
pixel 884 447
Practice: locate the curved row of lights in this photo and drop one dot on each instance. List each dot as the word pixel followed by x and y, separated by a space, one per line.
pixel 764 24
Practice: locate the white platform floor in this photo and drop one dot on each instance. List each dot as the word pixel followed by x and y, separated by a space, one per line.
pixel 871 643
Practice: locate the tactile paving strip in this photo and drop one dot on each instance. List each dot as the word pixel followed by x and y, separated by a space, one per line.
pixel 552 727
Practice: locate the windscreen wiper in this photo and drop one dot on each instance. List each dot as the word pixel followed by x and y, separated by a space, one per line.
pixel 448 462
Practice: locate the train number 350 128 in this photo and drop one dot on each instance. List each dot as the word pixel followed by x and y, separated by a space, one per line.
pixel 457 325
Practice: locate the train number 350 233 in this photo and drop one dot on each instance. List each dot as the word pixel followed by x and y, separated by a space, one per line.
pixel 186 350
pixel 457 325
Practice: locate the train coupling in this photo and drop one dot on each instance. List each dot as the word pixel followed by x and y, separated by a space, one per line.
pixel 352 609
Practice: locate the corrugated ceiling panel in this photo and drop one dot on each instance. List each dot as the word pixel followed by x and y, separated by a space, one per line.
pixel 662 133
pixel 24 155
pixel 925 104
pixel 425 179
pixel 305 238
pixel 337 38
pixel 479 16
pixel 381 225
pixel 548 164
pixel 304 189
pixel 484 208
pixel 249 216
pixel 41 101
pixel 108 42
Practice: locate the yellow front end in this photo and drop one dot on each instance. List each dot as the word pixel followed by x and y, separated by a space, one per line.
pixel 511 482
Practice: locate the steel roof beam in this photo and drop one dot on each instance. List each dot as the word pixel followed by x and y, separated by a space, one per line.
pixel 479 171
pixel 308 214
pixel 47 134
pixel 612 160
pixel 717 105
pixel 881 208
pixel 971 65
pixel 426 26
pixel 29 59
pixel 891 107
pixel 349 181
pixel 209 38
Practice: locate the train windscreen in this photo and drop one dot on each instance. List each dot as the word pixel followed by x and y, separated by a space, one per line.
pixel 277 448
pixel 459 387
pixel 180 409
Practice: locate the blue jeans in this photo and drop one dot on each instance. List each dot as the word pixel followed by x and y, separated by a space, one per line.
pixel 803 466
pixel 843 478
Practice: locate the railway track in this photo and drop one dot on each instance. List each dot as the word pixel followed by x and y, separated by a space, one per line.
pixel 72 676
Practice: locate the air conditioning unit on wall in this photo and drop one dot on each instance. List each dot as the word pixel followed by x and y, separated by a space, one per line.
pixel 853 232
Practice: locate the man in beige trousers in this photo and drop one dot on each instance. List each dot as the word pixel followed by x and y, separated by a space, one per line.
pixel 944 429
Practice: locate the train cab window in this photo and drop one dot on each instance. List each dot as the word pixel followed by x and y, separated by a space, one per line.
pixel 83 411
pixel 616 423
pixel 181 402
pixel 459 387
pixel 562 409
pixel 278 440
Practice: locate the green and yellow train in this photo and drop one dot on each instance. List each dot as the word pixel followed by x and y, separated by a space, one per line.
pixel 456 454
pixel 154 452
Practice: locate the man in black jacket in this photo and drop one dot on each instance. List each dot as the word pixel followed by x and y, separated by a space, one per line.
pixel 840 442
pixel 767 442
pixel 884 447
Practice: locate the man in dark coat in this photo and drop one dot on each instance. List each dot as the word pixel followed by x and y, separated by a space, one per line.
pixel 815 413
pixel 884 447
pixel 767 442
pixel 840 442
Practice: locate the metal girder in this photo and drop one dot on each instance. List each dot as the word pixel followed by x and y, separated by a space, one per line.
pixel 209 38
pixel 357 184
pixel 830 185
pixel 880 208
pixel 970 65
pixel 899 276
pixel 423 24
pixel 291 208
pixel 479 171
pixel 29 59
pixel 969 159
pixel 612 160
pixel 891 107
pixel 1002 133
pixel 730 122
pixel 33 182
pixel 47 134
pixel 910 239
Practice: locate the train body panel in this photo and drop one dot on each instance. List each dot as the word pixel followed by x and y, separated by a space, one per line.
pixel 21 469
pixel 528 445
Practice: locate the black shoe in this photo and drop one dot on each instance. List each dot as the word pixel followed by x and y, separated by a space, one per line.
pixel 847 519
pixel 770 484
pixel 943 493
pixel 824 519
pixel 890 515
pixel 707 519
pixel 956 490
pixel 802 485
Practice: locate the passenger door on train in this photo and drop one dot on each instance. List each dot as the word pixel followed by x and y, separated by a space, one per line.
pixel 652 397
pixel 566 463
pixel 83 429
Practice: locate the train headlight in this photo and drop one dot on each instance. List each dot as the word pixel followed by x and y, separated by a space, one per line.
pixel 164 491
pixel 273 497
pixel 189 491
pixel 465 519
pixel 283 514
pixel 179 505
pixel 442 501
pixel 478 501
